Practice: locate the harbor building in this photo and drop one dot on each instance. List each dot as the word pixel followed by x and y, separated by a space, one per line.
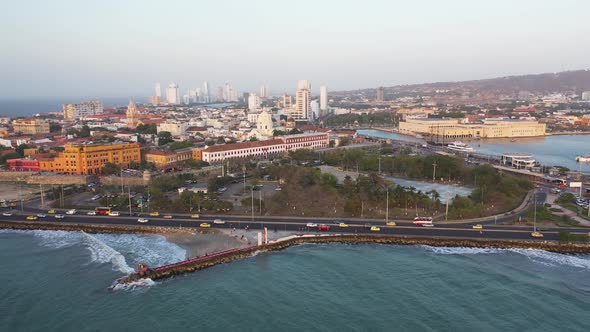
pixel 489 128
pixel 90 158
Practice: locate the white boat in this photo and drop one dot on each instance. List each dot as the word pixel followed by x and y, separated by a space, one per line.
pixel 460 147
pixel 583 159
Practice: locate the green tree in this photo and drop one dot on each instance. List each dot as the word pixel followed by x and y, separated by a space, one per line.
pixel 110 168
pixel 21 149
pixel 164 137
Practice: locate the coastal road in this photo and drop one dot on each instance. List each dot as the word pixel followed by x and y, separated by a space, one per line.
pixel 298 225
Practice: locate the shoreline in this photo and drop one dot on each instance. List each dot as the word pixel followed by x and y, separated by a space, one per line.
pixel 232 255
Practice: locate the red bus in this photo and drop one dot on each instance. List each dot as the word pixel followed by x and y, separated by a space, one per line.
pixel 103 210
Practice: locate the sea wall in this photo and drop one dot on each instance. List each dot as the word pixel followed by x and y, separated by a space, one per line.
pixel 204 262
pixel 103 229
pixel 34 178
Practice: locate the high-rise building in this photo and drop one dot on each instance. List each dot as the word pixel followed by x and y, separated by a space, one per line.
pixel 263 92
pixel 381 94
pixel 205 92
pixel 132 114
pixel 172 96
pixel 315 109
pixel 323 99
pixel 586 95
pixel 220 94
pixel 86 108
pixel 302 101
pixel 155 100
pixel 158 90
pixel 286 101
pixel 253 102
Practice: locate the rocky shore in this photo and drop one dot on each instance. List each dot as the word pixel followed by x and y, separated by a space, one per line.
pixel 565 248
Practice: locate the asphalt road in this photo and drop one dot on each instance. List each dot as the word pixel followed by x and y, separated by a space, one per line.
pixel 291 224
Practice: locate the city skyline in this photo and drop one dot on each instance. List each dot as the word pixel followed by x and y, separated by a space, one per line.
pixel 382 47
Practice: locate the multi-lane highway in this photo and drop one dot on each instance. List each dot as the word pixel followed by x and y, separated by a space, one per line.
pixel 299 225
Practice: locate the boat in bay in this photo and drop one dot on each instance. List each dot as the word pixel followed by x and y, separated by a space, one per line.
pixel 460 147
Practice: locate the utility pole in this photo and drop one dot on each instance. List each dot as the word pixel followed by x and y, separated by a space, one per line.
pixel 387 208
pixel 129 195
pixel 20 197
pixel 252 196
pixel 535 212
pixel 379 164
pixel 434 172
pixel 447 208
pixel 244 171
pixel 62 196
pixel 260 201
pixel 42 199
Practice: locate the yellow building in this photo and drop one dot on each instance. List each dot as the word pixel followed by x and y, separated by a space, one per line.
pixel 163 158
pixel 30 126
pixel 90 158
pixel 490 128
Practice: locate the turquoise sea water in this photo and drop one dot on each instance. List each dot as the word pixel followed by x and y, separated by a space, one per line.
pixel 57 281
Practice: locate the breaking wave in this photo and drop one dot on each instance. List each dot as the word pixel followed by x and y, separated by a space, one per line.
pixel 141 283
pixel 102 253
pixel 537 256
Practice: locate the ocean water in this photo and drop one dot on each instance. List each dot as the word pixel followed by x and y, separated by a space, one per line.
pixel 559 150
pixel 57 281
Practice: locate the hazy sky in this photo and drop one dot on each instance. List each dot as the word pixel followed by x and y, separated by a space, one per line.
pixel 120 48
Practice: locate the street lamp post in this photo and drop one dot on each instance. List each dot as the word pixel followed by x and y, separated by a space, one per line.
pixel 252 196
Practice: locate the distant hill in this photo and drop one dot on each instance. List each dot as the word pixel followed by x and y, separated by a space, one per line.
pixel 568 81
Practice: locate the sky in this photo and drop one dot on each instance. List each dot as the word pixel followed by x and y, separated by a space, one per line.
pixel 121 48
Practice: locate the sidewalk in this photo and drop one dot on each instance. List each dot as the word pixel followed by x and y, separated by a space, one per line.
pixel 551 200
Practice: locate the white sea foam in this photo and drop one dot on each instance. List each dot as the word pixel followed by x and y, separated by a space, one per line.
pixel 100 252
pixel 141 283
pixel 57 239
pixel 551 258
pixel 153 250
pixel 537 256
pixel 461 250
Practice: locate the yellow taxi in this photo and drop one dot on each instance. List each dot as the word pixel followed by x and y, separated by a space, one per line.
pixel 391 223
pixel 478 226
pixel 536 234
pixel 52 211
pixel 32 218
pixel 375 229
pixel 167 216
pixel 205 225
pixel 155 214
pixel 195 216
pixel 342 225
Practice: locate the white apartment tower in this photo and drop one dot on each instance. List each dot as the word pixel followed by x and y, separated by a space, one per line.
pixel 158 90
pixel 323 99
pixel 253 102
pixel 263 92
pixel 302 101
pixel 172 96
pixel 205 92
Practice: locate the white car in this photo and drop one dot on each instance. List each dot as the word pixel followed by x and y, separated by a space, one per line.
pixel 311 225
pixel 7 214
pixel 114 214
pixel 72 211
pixel 91 213
pixel 142 220
pixel 41 215
pixel 218 221
pixel 278 189
pixel 59 216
